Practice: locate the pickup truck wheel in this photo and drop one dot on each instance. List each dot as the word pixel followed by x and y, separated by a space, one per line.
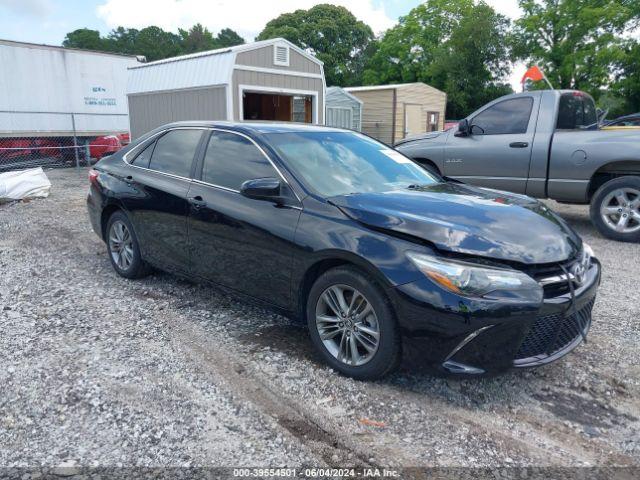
pixel 615 209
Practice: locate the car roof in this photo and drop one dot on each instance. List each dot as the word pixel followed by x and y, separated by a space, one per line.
pixel 255 127
pixel 625 117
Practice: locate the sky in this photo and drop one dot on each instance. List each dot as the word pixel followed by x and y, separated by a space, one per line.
pixel 48 21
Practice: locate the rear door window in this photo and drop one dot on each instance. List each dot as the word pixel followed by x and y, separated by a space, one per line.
pixel 506 117
pixel 576 111
pixel 232 159
pixel 142 159
pixel 174 152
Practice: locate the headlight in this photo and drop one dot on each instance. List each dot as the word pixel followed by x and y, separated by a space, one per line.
pixel 472 280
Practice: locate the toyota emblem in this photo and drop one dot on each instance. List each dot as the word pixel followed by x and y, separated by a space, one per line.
pixel 579 270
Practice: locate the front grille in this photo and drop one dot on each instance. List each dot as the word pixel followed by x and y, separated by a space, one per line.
pixel 556 289
pixel 552 333
pixel 541 273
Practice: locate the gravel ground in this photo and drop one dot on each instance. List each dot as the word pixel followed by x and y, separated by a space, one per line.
pixel 102 371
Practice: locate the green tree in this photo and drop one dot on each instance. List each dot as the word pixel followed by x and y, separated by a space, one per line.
pixel 123 40
pixel 575 42
pixel 406 50
pixel 331 33
pixel 457 46
pixel 152 42
pixel 197 39
pixel 86 39
pixel 228 38
pixel 156 44
pixel 626 85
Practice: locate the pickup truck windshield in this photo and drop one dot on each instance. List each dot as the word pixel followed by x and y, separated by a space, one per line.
pixel 338 163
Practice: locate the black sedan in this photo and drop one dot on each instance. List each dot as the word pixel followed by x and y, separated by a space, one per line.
pixel 632 120
pixel 377 256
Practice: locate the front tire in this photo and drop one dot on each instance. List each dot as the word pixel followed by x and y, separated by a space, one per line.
pixel 615 209
pixel 352 324
pixel 123 247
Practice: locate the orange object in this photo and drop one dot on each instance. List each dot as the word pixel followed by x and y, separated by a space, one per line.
pixel 444 281
pixel 534 73
pixel 371 423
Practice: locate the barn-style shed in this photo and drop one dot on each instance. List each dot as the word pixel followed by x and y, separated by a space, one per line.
pixel 343 109
pixel 272 80
pixel 393 112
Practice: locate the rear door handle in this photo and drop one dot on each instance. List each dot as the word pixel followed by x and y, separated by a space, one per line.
pixel 519 145
pixel 197 202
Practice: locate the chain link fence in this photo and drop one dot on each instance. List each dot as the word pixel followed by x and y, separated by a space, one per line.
pixel 54 140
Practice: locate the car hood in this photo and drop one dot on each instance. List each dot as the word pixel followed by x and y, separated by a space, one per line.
pixel 470 220
pixel 421 136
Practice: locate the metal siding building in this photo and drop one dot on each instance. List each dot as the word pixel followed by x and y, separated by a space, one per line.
pixel 343 109
pixel 393 112
pixel 47 90
pixel 271 80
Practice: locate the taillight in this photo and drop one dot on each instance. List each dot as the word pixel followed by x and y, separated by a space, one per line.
pixel 93 176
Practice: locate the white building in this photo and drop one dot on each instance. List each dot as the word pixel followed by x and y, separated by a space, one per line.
pixel 50 91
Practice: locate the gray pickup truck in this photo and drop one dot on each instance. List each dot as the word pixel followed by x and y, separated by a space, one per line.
pixel 546 144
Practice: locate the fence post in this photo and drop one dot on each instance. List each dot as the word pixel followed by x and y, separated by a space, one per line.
pixel 75 140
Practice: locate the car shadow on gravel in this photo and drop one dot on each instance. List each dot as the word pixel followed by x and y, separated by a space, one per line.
pixel 260 330
pixel 291 339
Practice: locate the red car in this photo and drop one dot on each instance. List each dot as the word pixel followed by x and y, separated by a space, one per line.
pixel 29 147
pixel 108 145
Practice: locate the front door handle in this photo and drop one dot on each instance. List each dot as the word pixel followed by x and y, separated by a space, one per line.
pixel 197 202
pixel 519 145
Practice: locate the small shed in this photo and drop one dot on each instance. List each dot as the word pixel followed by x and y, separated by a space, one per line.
pixel 272 80
pixel 343 109
pixel 393 112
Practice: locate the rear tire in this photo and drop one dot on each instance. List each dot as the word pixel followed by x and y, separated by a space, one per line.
pixel 123 247
pixel 368 326
pixel 615 209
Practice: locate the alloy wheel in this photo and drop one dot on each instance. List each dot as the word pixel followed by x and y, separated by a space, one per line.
pixel 121 245
pixel 347 325
pixel 620 210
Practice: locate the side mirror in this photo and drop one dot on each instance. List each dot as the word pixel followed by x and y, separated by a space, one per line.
pixel 262 189
pixel 463 129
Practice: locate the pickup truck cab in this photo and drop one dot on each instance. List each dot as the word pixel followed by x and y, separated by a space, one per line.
pixel 545 144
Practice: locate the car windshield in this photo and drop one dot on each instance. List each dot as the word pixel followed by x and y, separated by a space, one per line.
pixel 339 163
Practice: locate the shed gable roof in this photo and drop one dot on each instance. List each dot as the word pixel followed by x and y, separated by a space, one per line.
pixel 213 67
pixel 341 91
pixel 391 87
pixel 238 48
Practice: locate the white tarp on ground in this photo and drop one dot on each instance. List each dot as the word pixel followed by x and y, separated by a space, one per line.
pixel 24 184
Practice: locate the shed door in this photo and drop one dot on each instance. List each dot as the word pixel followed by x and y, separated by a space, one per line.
pixel 340 117
pixel 413 119
pixel 433 121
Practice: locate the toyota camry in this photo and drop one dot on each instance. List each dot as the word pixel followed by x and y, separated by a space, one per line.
pixel 378 257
